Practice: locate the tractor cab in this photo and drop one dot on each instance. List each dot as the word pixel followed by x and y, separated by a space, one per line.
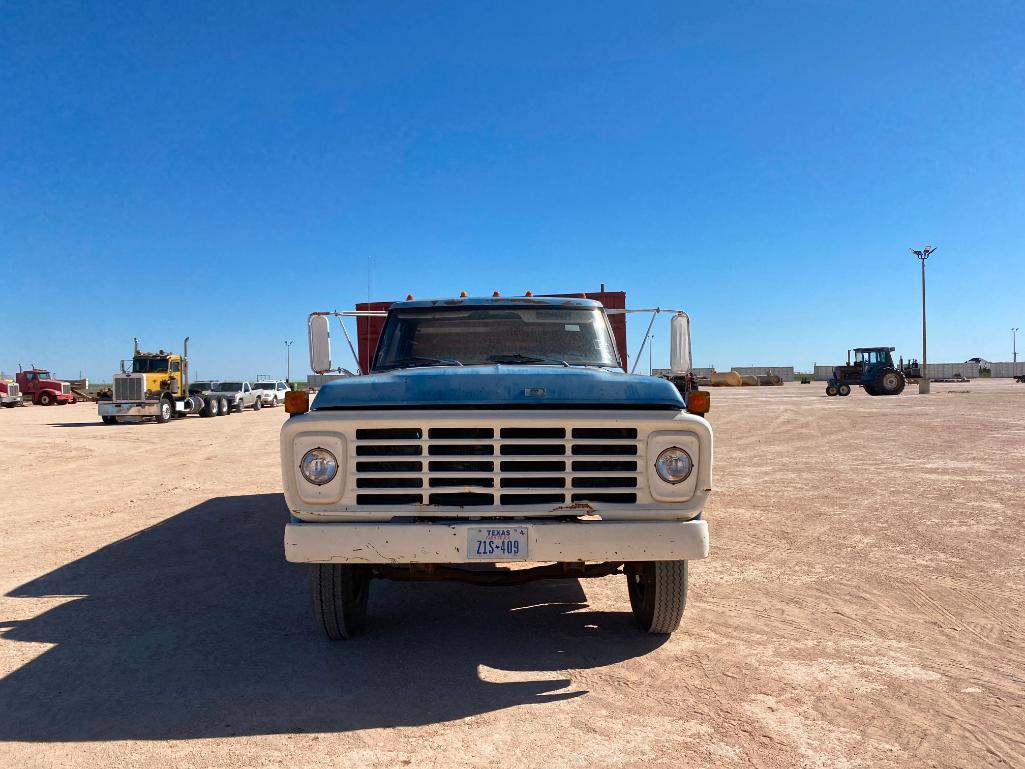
pixel 163 371
pixel 873 356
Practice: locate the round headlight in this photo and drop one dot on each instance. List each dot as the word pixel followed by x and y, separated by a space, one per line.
pixel 319 466
pixel 674 465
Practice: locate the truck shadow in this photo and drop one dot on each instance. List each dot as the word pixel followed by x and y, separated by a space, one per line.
pixel 196 627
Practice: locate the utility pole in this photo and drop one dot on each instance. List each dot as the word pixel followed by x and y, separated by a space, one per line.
pixel 1014 353
pixel 652 344
pixel 923 383
pixel 288 360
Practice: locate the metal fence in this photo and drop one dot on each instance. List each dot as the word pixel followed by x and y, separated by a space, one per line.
pixel 786 373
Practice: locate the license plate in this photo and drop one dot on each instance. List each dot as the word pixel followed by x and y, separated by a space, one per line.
pixel 500 543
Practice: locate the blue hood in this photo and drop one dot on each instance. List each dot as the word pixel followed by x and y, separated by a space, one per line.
pixel 500 386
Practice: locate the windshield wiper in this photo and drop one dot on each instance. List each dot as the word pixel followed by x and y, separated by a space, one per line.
pixel 420 360
pixel 516 357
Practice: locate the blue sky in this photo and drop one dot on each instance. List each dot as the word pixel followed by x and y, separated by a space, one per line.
pixel 219 170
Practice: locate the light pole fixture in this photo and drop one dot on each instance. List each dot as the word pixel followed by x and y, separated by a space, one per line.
pixel 1014 352
pixel 923 254
pixel 288 360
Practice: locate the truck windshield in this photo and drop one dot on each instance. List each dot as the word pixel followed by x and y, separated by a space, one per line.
pixel 149 365
pixel 263 385
pixel 227 387
pixel 481 336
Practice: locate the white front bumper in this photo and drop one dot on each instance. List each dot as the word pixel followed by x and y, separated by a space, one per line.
pixel 555 541
pixel 111 409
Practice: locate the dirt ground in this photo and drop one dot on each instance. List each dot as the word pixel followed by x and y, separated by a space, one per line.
pixel 863 606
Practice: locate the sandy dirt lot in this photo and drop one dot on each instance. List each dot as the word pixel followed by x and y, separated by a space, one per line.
pixel 864 606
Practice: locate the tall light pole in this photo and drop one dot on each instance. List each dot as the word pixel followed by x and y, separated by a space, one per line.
pixel 923 383
pixel 1014 352
pixel 288 360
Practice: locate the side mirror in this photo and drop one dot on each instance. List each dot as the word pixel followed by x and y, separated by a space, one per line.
pixel 320 344
pixel 679 344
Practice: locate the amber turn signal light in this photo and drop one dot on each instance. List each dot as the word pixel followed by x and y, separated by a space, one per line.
pixel 699 402
pixel 297 401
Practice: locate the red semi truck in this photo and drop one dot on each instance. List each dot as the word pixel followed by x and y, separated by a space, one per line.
pixel 43 389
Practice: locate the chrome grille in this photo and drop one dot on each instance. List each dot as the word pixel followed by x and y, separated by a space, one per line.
pixel 65 388
pixel 14 390
pixel 131 387
pixel 496 465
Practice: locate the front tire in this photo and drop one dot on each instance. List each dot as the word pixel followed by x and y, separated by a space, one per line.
pixel 340 595
pixel 830 390
pixel 164 411
pixel 274 402
pixel 109 420
pixel 658 594
pixel 258 404
pixel 843 390
pixel 46 399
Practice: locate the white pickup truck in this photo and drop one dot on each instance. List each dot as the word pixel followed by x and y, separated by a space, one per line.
pixel 496 441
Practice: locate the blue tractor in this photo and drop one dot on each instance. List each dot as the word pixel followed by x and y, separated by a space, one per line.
pixel 872 368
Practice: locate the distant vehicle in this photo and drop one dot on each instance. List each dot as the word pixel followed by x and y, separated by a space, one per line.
pixel 201 388
pixel 157 386
pixel 10 395
pixel 873 369
pixel 272 392
pixel 43 388
pixel 240 395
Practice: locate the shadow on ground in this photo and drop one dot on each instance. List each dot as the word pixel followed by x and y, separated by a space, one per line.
pixel 196 627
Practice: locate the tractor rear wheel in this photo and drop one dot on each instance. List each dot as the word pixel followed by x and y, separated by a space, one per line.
pixel 889 382
pixel 843 390
pixel 830 390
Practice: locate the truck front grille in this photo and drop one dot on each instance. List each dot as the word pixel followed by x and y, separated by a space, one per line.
pixel 130 388
pixel 13 390
pixel 496 465
pixel 65 388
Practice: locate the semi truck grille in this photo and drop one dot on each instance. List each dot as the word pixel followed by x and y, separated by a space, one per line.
pixel 130 388
pixel 485 466
pixel 65 388
pixel 13 390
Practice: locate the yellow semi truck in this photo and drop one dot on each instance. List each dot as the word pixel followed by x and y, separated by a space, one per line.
pixel 157 387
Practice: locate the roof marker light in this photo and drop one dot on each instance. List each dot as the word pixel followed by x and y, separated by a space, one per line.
pixel 496 294
pixel 529 293
pixel 462 294
pixel 409 297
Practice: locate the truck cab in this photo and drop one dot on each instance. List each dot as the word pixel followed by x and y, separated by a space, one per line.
pixel 495 441
pixel 43 388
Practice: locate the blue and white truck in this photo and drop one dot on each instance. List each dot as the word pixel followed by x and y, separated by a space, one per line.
pixel 496 441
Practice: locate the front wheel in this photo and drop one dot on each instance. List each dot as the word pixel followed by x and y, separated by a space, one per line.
pixel 46 399
pixel 274 402
pixel 831 390
pixel 109 420
pixel 843 390
pixel 658 594
pixel 165 411
pixel 340 596
pixel 258 404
